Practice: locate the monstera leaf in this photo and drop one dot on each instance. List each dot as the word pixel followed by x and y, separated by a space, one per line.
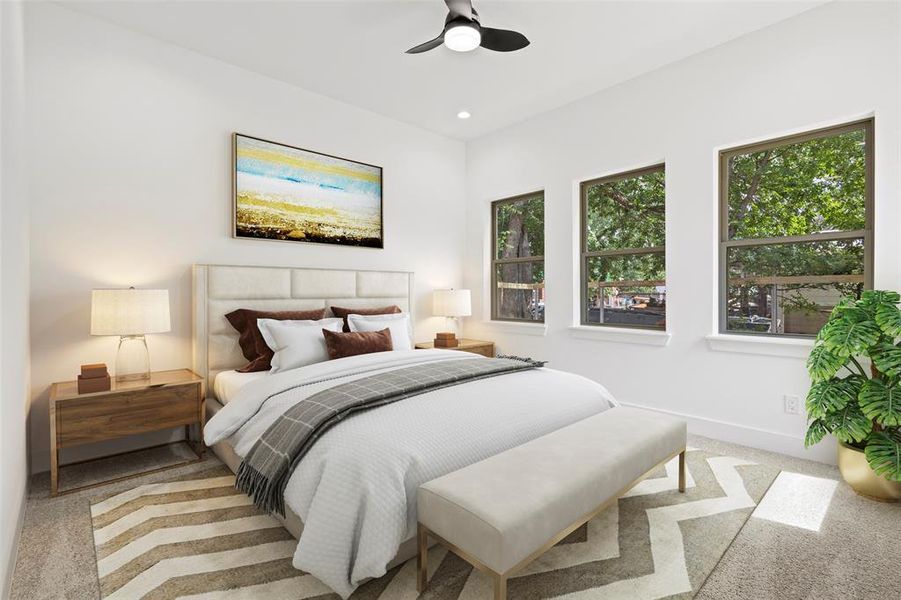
pixel 845 337
pixel 883 452
pixel 888 317
pixel 849 424
pixel 815 433
pixel 840 306
pixel 822 364
pixel 881 403
pixel 887 359
pixel 825 397
pixel 876 297
pixel 857 314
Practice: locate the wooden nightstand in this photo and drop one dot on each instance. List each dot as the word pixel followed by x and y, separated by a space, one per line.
pixel 474 346
pixel 169 399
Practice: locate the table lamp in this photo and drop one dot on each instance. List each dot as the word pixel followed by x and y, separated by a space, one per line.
pixel 452 304
pixel 130 314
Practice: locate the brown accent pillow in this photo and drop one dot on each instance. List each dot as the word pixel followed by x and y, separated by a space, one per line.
pixel 343 312
pixel 341 345
pixel 253 346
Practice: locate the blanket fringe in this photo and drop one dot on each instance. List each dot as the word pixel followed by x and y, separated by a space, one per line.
pixel 526 359
pixel 267 494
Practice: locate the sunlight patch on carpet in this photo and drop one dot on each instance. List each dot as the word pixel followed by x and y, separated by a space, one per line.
pixel 797 500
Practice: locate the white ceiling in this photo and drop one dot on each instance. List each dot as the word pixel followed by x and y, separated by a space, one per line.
pixel 354 51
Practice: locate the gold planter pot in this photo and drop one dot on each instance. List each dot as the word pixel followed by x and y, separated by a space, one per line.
pixel 857 473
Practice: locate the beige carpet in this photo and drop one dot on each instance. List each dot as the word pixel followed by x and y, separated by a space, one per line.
pixel 197 536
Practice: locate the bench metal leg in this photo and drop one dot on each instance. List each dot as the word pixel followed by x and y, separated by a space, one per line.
pixel 500 587
pixel 682 471
pixel 422 558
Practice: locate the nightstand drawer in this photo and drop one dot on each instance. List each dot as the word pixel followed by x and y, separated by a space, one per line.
pixel 486 350
pixel 464 345
pixel 102 418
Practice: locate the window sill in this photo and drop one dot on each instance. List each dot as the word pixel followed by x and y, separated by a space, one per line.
pixel 621 334
pixel 749 344
pixel 539 329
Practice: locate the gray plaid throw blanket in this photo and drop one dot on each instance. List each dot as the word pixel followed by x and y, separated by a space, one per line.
pixel 265 471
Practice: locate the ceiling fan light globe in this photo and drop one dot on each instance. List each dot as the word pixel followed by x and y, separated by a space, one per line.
pixel 462 38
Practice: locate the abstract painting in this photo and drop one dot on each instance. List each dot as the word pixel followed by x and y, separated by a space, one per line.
pixel 291 194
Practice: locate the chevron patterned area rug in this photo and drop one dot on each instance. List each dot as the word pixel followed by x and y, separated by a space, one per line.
pixel 198 538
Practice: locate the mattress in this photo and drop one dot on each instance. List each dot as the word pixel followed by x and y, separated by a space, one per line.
pixel 227 383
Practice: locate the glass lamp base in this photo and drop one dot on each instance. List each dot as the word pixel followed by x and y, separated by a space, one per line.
pixel 132 359
pixel 453 325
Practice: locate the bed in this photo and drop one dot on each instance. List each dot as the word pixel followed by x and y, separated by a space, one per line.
pixel 219 289
pixel 351 499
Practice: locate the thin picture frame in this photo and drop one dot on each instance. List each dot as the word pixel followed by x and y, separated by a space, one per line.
pixel 234 194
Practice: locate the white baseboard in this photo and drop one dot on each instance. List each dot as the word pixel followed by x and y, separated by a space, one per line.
pixel 7 582
pixel 761 439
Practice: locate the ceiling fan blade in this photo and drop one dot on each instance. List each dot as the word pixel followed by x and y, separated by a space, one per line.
pixel 429 45
pixel 503 40
pixel 459 8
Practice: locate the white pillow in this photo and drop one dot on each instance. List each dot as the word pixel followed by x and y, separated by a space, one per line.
pixel 297 343
pixel 398 324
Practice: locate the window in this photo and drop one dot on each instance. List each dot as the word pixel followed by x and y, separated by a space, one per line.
pixel 623 249
pixel 795 229
pixel 517 266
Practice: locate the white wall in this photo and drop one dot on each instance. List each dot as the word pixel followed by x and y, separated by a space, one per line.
pixel 833 64
pixel 13 289
pixel 131 184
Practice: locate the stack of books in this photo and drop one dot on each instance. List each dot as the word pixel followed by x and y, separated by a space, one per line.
pixel 446 340
pixel 93 378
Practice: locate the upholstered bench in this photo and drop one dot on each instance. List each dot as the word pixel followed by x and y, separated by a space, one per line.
pixel 503 512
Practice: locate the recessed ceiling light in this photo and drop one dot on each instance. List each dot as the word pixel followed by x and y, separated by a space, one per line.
pixel 463 114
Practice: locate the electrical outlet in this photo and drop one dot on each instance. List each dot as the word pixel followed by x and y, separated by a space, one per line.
pixel 792 404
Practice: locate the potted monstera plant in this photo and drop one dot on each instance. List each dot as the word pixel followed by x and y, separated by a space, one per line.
pixel 860 406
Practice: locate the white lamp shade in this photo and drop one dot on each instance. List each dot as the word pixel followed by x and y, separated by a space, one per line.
pixel 451 303
pixel 129 312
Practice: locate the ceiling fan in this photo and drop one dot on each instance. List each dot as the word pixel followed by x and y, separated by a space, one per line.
pixel 463 32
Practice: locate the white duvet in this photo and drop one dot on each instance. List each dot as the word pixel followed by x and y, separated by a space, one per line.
pixel 356 488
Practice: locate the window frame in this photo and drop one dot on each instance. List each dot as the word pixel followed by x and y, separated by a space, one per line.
pixel 724 243
pixel 585 254
pixel 495 261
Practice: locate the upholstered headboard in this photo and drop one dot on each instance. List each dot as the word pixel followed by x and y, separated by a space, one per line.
pixel 220 289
